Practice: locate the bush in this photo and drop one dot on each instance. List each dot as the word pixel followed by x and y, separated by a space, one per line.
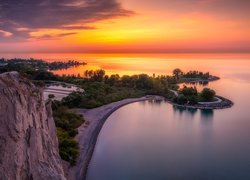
pixel 189 91
pixel 73 100
pixel 68 147
pixel 193 99
pixel 67 121
pixel 181 99
pixel 207 94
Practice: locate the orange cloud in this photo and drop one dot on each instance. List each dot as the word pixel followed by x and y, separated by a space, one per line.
pixel 156 27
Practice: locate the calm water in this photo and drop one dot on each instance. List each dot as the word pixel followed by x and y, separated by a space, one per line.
pixel 233 65
pixel 155 141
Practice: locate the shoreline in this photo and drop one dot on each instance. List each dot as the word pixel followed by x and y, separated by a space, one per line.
pixel 199 80
pixel 89 131
pixel 224 103
pixel 95 119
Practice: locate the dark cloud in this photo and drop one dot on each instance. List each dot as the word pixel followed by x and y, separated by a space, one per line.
pixel 56 14
pixel 77 27
pixel 54 36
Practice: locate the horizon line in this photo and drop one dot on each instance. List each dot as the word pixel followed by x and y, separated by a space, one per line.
pixel 132 52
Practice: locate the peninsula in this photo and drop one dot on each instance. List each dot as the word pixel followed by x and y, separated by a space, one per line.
pixel 80 115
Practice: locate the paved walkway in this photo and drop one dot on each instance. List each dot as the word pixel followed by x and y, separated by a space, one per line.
pixel 209 103
pixel 175 92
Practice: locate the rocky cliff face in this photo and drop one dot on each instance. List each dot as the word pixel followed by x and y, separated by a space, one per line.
pixel 28 141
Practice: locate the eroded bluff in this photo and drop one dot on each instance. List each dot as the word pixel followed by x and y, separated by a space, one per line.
pixel 28 141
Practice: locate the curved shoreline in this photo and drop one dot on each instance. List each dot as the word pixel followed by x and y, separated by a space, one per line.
pixel 95 119
pixel 223 104
pixel 88 134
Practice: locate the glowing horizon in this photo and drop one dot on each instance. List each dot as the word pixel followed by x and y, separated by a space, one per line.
pixel 126 26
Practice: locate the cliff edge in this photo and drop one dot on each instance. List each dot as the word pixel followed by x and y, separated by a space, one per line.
pixel 28 141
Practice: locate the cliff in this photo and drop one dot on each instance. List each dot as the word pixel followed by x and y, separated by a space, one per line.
pixel 28 141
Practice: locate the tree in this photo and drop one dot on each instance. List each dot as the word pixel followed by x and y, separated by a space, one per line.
pixel 99 75
pixel 177 72
pixel 207 94
pixel 73 100
pixel 189 91
pixel 143 82
pixel 181 99
pixel 112 80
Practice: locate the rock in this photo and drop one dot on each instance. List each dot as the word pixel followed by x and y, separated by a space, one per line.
pixel 28 141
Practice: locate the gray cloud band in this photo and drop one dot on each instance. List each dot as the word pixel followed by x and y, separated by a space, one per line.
pixel 20 17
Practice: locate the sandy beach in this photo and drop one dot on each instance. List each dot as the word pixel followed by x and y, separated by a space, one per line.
pixel 88 133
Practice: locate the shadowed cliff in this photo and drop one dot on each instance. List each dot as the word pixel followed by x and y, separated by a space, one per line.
pixel 28 141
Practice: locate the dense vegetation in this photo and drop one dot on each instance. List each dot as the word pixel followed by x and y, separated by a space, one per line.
pixel 192 76
pixel 190 95
pixel 67 121
pixel 100 89
pixel 37 64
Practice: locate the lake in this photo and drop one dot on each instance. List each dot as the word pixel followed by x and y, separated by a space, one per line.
pixel 217 64
pixel 156 141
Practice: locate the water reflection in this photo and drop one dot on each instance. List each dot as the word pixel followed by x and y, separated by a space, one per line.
pixel 192 111
pixel 183 110
pixel 206 114
pixel 152 102
pixel 155 101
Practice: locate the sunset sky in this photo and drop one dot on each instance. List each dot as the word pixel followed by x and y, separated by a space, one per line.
pixel 124 26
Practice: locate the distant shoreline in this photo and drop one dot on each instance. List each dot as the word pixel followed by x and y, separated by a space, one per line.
pixel 199 80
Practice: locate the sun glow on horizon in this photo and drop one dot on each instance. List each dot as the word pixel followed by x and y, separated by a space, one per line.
pixel 154 27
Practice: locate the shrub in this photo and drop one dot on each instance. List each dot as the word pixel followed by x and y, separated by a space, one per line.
pixel 68 147
pixel 181 99
pixel 67 122
pixel 207 94
pixel 189 91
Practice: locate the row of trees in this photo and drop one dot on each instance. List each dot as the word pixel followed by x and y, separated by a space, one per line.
pixel 154 85
pixel 178 73
pixel 38 64
pixel 102 89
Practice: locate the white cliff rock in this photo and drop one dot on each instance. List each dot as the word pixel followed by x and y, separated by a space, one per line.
pixel 28 141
